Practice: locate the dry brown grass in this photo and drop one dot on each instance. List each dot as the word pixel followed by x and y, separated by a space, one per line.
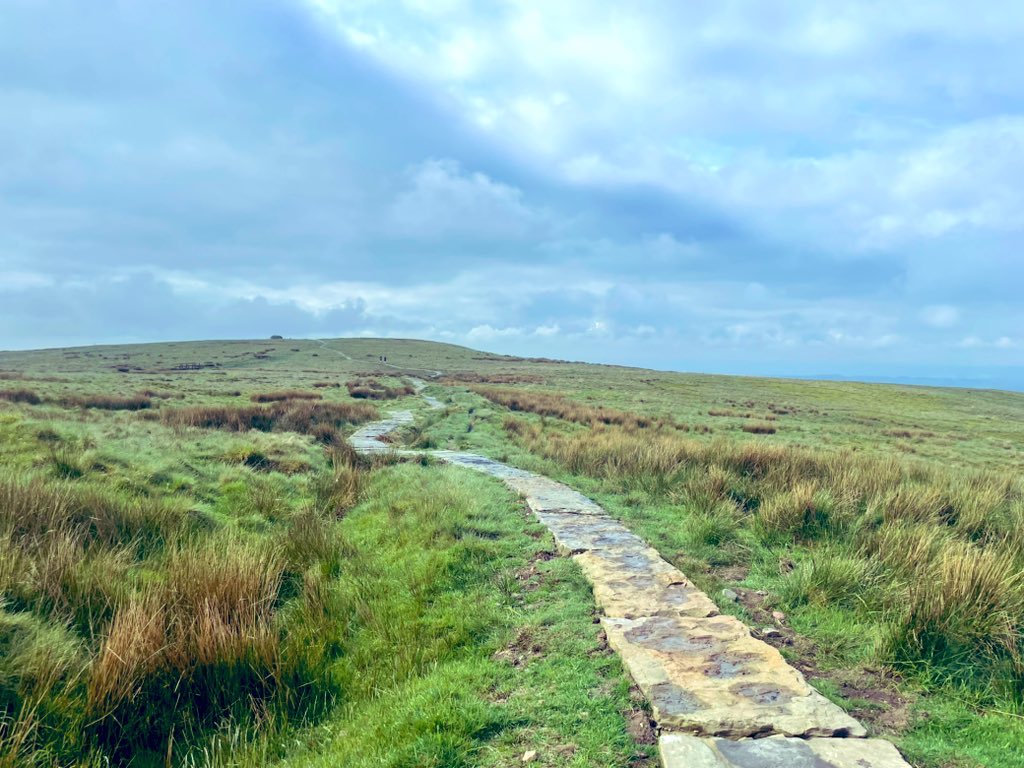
pixel 372 389
pixel 559 407
pixel 287 394
pixel 966 605
pixel 32 510
pixel 108 402
pixel 760 429
pixel 199 645
pixel 65 548
pixel 26 396
pixel 467 377
pixel 944 547
pixel 304 416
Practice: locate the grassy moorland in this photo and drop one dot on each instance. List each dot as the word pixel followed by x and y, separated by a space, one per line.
pixel 195 571
pixel 894 581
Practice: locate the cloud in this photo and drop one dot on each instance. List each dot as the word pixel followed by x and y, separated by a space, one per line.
pixel 728 186
pixel 940 316
pixel 866 140
pixel 444 201
pixel 141 307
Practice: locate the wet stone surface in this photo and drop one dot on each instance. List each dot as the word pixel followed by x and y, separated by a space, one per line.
pixel 728 666
pixel 745 686
pixel 685 751
pixel 663 635
pixel 367 439
pixel 581 533
pixel 669 697
pixel 764 694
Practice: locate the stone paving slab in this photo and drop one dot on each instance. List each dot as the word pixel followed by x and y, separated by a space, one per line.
pixel 636 581
pixel 543 496
pixel 683 751
pixel 367 439
pixel 709 676
pixel 581 533
pixel 480 464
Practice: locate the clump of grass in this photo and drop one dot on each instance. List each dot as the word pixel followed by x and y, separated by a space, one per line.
pixel 559 407
pixel 41 666
pixel 32 510
pixel 288 394
pixel 714 528
pixel 337 491
pixel 831 578
pixel 184 654
pixel 372 389
pixel 800 513
pixel 470 377
pixel 312 538
pixel 108 402
pixel 760 428
pixel 325 434
pixel 26 396
pixel 264 497
pixel 284 416
pixel 965 616
pixel 67 461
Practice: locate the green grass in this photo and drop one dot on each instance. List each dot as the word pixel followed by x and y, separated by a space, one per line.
pixel 883 593
pixel 943 615
pixel 243 597
pixel 465 649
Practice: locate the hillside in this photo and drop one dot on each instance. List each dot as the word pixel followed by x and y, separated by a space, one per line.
pixel 197 568
pixel 980 428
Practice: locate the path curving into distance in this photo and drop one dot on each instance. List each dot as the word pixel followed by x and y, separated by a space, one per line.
pixel 720 697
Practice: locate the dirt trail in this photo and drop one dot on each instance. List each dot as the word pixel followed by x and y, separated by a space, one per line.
pixel 720 697
pixel 429 371
pixel 323 344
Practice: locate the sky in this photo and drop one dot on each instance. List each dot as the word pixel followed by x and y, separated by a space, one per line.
pixel 798 188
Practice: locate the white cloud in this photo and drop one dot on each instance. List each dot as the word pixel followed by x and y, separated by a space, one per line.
pixel 488 333
pixel 441 200
pixel 999 342
pixel 18 280
pixel 820 127
pixel 941 315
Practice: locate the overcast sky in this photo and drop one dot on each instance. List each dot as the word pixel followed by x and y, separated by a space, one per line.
pixel 764 187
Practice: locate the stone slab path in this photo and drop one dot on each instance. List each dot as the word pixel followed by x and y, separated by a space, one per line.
pixel 720 697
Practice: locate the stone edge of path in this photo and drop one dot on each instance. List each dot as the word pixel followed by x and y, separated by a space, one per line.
pixel 740 703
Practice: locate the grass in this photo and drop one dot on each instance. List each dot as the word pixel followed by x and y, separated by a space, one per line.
pixel 404 613
pixel 108 402
pixel 458 685
pixel 878 562
pixel 561 408
pixel 20 396
pixel 374 389
pixel 289 394
pixel 204 582
pixel 957 602
pixel 883 522
pixel 309 417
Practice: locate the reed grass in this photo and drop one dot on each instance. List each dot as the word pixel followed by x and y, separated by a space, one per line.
pixel 936 551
